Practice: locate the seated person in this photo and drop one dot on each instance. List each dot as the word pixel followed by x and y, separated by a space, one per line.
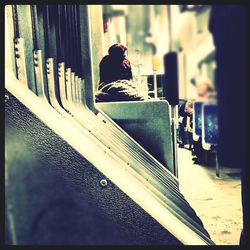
pixel 186 111
pixel 116 79
pixel 204 89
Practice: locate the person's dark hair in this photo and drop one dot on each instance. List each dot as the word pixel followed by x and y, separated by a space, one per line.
pixel 115 66
pixel 117 52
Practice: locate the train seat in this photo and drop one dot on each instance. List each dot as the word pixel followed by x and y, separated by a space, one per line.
pixel 148 122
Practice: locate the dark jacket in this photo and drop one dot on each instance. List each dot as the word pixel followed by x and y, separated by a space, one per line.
pixel 184 114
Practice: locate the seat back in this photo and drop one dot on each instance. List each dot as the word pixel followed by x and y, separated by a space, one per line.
pixel 148 122
pixel 197 124
pixel 209 126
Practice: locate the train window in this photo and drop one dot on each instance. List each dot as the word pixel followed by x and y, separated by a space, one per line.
pixel 142 28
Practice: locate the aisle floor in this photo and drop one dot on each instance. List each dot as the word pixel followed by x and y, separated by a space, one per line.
pixel 217 201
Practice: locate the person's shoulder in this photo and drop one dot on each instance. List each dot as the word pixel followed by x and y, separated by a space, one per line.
pixel 105 59
pixel 125 90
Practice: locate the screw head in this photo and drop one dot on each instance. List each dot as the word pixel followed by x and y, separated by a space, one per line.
pixel 6 98
pixel 103 183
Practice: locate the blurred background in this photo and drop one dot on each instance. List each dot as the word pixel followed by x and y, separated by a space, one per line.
pixel 149 30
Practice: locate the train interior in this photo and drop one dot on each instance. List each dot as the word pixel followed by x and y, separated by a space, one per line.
pixel 129 172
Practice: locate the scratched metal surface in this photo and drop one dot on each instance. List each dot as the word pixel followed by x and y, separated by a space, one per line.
pixel 55 193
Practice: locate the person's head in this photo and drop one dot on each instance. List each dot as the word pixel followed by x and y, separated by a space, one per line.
pixel 189 107
pixel 115 66
pixel 203 86
pixel 117 52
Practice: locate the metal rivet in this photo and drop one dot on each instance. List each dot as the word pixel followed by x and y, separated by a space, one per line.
pixel 103 183
pixel 6 98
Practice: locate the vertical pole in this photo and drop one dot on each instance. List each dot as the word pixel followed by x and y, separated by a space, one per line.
pixel 206 157
pixel 155 85
pixel 139 75
pixel 174 139
pixel 86 54
pixel 217 165
pixel 139 69
pixel 95 23
pixel 156 66
pixel 173 107
pixel 92 49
